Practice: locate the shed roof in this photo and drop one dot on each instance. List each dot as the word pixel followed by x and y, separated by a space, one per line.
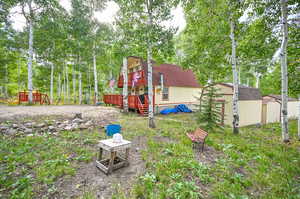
pixel 278 97
pixel 245 92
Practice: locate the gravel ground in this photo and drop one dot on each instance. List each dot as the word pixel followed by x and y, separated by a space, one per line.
pixel 10 112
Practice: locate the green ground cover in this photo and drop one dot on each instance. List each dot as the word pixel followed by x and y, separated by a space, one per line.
pixel 253 164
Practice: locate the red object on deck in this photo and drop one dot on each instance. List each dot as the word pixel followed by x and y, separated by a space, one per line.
pixel 140 82
pixel 37 97
pixel 134 102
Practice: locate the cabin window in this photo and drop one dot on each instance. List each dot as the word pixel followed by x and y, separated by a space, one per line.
pixel 165 93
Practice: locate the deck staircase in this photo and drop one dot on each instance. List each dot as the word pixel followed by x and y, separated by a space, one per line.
pixel 143 108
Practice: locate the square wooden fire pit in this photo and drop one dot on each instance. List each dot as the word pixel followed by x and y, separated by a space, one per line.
pixel 115 161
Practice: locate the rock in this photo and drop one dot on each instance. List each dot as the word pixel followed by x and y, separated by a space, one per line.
pixel 4 128
pixel 58 123
pixel 68 128
pixel 11 131
pixel 83 126
pixel 137 149
pixel 29 124
pixel 14 126
pixel 89 123
pixel 61 126
pixel 77 120
pixel 41 125
pixel 51 128
pixel 78 115
pixel 30 135
pixel 28 131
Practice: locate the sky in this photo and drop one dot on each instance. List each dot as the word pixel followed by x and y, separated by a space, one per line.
pixel 105 16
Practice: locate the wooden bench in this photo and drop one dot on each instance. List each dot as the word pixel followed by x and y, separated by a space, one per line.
pixel 198 137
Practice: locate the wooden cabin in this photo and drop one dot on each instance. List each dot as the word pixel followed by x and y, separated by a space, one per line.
pixel 171 86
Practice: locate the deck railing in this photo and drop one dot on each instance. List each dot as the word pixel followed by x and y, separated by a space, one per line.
pixel 113 99
pixel 117 100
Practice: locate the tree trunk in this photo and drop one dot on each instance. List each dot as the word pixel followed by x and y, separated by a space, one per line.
pixel 95 76
pixel 67 82
pixel 74 84
pixel 64 85
pixel 51 83
pixel 6 82
pixel 149 58
pixel 125 85
pixel 19 70
pixel 30 57
pixel 58 87
pixel 299 117
pixel 284 77
pixel 80 88
pixel 235 122
pixel 257 76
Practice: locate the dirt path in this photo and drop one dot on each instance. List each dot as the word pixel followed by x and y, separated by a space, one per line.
pixel 90 179
pixel 11 112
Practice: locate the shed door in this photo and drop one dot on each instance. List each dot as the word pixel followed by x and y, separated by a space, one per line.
pixel 264 114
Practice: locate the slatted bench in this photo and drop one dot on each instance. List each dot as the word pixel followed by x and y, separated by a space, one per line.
pixel 198 137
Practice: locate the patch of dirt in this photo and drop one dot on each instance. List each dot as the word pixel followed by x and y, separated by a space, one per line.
pixel 163 139
pixel 65 111
pixel 208 156
pixel 89 178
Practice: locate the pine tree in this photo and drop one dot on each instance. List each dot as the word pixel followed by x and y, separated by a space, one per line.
pixel 209 114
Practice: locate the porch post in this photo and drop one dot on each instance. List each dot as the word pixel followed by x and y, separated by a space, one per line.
pixel 125 85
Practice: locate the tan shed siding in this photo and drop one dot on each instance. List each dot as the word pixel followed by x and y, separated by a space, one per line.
pixel 250 112
pixel 273 112
pixel 178 95
pixel 224 89
pixel 228 110
pixel 293 109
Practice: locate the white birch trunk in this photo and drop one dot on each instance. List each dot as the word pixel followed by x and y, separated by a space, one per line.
pixel 30 57
pixel 80 88
pixel 299 117
pixel 235 111
pixel 19 69
pixel 51 83
pixel 125 85
pixel 149 64
pixel 64 85
pixel 95 76
pixel 74 84
pixel 67 82
pixel 58 87
pixel 6 82
pixel 284 77
pixel 257 77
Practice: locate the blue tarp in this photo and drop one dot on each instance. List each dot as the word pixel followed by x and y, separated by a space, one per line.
pixel 167 111
pixel 183 108
pixel 112 129
pixel 178 108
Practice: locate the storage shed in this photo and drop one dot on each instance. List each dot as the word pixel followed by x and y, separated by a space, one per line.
pixel 271 110
pixel 250 104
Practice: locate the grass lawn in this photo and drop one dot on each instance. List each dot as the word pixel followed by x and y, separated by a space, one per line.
pixel 253 164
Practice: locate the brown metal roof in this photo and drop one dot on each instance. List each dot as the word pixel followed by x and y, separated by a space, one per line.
pixel 173 75
pixel 278 97
pixel 245 92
